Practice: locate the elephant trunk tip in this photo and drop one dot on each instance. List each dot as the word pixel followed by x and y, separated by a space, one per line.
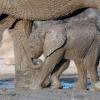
pixel 37 63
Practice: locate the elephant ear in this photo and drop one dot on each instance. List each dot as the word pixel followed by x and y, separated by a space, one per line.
pixel 54 39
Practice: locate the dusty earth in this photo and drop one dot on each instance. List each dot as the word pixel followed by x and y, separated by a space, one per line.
pixel 50 94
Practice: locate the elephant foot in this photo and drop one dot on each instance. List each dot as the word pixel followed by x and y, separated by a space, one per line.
pixel 96 87
pixel 78 86
pixel 56 83
pixel 46 83
pixel 20 87
pixel 35 86
pixel 28 87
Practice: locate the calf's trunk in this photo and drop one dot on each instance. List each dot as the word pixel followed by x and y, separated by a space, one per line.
pixel 25 72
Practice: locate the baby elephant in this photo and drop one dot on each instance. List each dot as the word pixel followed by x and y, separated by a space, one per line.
pixel 82 45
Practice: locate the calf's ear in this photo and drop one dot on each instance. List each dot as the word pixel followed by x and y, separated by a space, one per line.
pixel 54 39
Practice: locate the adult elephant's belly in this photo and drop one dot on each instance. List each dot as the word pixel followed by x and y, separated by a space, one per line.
pixel 79 40
pixel 41 9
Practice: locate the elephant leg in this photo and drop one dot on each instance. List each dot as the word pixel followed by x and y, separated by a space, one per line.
pixel 22 70
pixel 94 75
pixel 82 75
pixel 58 70
pixel 49 64
pixel 91 61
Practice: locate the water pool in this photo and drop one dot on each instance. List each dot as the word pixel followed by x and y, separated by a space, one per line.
pixel 67 83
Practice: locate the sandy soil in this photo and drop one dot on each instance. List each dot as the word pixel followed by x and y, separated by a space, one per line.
pixel 50 94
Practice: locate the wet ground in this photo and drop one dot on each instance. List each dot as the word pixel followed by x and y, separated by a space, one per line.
pixel 50 94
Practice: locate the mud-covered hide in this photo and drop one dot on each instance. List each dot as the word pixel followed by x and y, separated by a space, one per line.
pixel 54 39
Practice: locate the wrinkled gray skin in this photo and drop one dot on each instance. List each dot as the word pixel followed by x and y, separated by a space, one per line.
pixel 35 10
pixel 85 54
pixel 44 9
pixel 47 52
pixel 41 28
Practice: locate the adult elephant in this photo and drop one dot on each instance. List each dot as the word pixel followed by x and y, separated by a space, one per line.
pixel 44 9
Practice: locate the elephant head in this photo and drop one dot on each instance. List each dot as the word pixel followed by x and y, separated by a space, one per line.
pixel 44 9
pixel 55 38
pixel 46 38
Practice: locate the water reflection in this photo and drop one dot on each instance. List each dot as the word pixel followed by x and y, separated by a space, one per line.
pixel 67 83
pixel 7 83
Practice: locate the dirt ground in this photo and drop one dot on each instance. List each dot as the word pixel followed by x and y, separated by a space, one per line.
pixel 50 94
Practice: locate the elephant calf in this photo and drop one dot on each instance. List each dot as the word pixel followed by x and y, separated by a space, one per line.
pixel 83 46
pixel 80 41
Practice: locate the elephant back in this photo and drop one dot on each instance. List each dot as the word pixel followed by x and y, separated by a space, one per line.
pixel 41 9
